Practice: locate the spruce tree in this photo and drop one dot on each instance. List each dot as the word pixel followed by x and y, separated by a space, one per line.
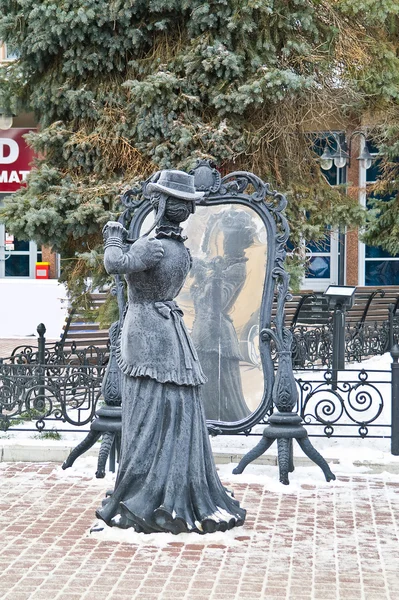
pixel 122 88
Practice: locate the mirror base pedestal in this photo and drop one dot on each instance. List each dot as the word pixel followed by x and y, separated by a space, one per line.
pixel 285 428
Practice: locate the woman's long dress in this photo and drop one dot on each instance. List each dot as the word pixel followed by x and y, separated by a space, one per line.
pixel 167 479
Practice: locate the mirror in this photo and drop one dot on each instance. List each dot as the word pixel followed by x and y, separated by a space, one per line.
pixel 221 300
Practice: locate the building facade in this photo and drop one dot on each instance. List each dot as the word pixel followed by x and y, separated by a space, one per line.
pixel 25 300
pixel 18 258
pixel 344 259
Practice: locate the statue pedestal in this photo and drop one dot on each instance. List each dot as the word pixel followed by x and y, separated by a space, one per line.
pixel 285 427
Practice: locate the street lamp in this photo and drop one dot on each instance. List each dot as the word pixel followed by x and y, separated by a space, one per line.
pixel 6 119
pixel 341 156
pixel 365 158
pixel 326 159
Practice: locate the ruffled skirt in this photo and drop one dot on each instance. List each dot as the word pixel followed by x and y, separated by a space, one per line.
pixel 167 479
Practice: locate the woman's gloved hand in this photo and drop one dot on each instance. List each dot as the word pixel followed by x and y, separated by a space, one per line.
pixel 114 234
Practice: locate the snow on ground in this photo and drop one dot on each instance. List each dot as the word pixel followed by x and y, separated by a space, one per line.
pixel 267 475
pixel 303 481
pixel 101 531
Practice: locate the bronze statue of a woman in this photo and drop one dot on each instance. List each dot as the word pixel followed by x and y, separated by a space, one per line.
pixel 167 479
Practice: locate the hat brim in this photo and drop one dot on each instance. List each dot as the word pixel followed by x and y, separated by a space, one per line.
pixel 156 187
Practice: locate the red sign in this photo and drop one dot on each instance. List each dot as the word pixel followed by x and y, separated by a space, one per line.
pixel 15 159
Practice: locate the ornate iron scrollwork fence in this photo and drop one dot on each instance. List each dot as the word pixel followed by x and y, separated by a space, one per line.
pixel 37 397
pixel 313 345
pixel 46 386
pixel 55 354
pixel 33 395
pixel 359 405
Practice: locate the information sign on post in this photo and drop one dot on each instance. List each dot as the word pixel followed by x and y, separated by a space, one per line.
pixel 341 299
pixel 9 242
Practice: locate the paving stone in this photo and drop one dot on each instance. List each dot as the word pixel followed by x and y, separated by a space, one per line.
pixel 332 542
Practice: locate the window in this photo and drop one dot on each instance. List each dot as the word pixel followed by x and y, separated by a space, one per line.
pixel 10 53
pixel 319 259
pixel 17 257
pixel 322 257
pixel 380 267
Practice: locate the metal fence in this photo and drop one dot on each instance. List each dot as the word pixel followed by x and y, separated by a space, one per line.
pixel 39 392
pixel 358 404
pixel 48 385
pixel 33 395
pixel 313 345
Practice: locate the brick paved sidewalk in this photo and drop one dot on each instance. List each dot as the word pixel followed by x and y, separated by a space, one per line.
pixel 316 542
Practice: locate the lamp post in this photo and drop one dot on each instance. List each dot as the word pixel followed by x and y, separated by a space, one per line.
pixel 341 156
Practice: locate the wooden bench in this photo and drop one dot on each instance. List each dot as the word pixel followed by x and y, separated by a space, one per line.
pixel 80 331
pixel 307 309
pixel 371 304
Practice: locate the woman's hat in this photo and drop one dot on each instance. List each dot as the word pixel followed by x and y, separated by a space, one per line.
pixel 174 183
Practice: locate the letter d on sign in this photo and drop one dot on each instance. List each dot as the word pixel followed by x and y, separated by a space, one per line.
pixel 9 151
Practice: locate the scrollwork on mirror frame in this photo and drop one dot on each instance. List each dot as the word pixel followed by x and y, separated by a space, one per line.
pixel 245 189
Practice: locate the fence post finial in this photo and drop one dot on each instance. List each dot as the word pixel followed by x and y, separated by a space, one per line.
pixel 41 343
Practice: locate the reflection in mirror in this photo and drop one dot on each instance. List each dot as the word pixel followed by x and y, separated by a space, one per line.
pixel 221 301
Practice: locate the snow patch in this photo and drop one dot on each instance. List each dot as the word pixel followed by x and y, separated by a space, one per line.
pixel 101 532
pixel 84 468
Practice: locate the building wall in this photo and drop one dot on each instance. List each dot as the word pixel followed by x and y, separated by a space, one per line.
pixel 352 236
pixel 24 304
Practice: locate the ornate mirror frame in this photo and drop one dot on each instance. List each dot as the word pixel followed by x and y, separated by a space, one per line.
pixel 245 189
